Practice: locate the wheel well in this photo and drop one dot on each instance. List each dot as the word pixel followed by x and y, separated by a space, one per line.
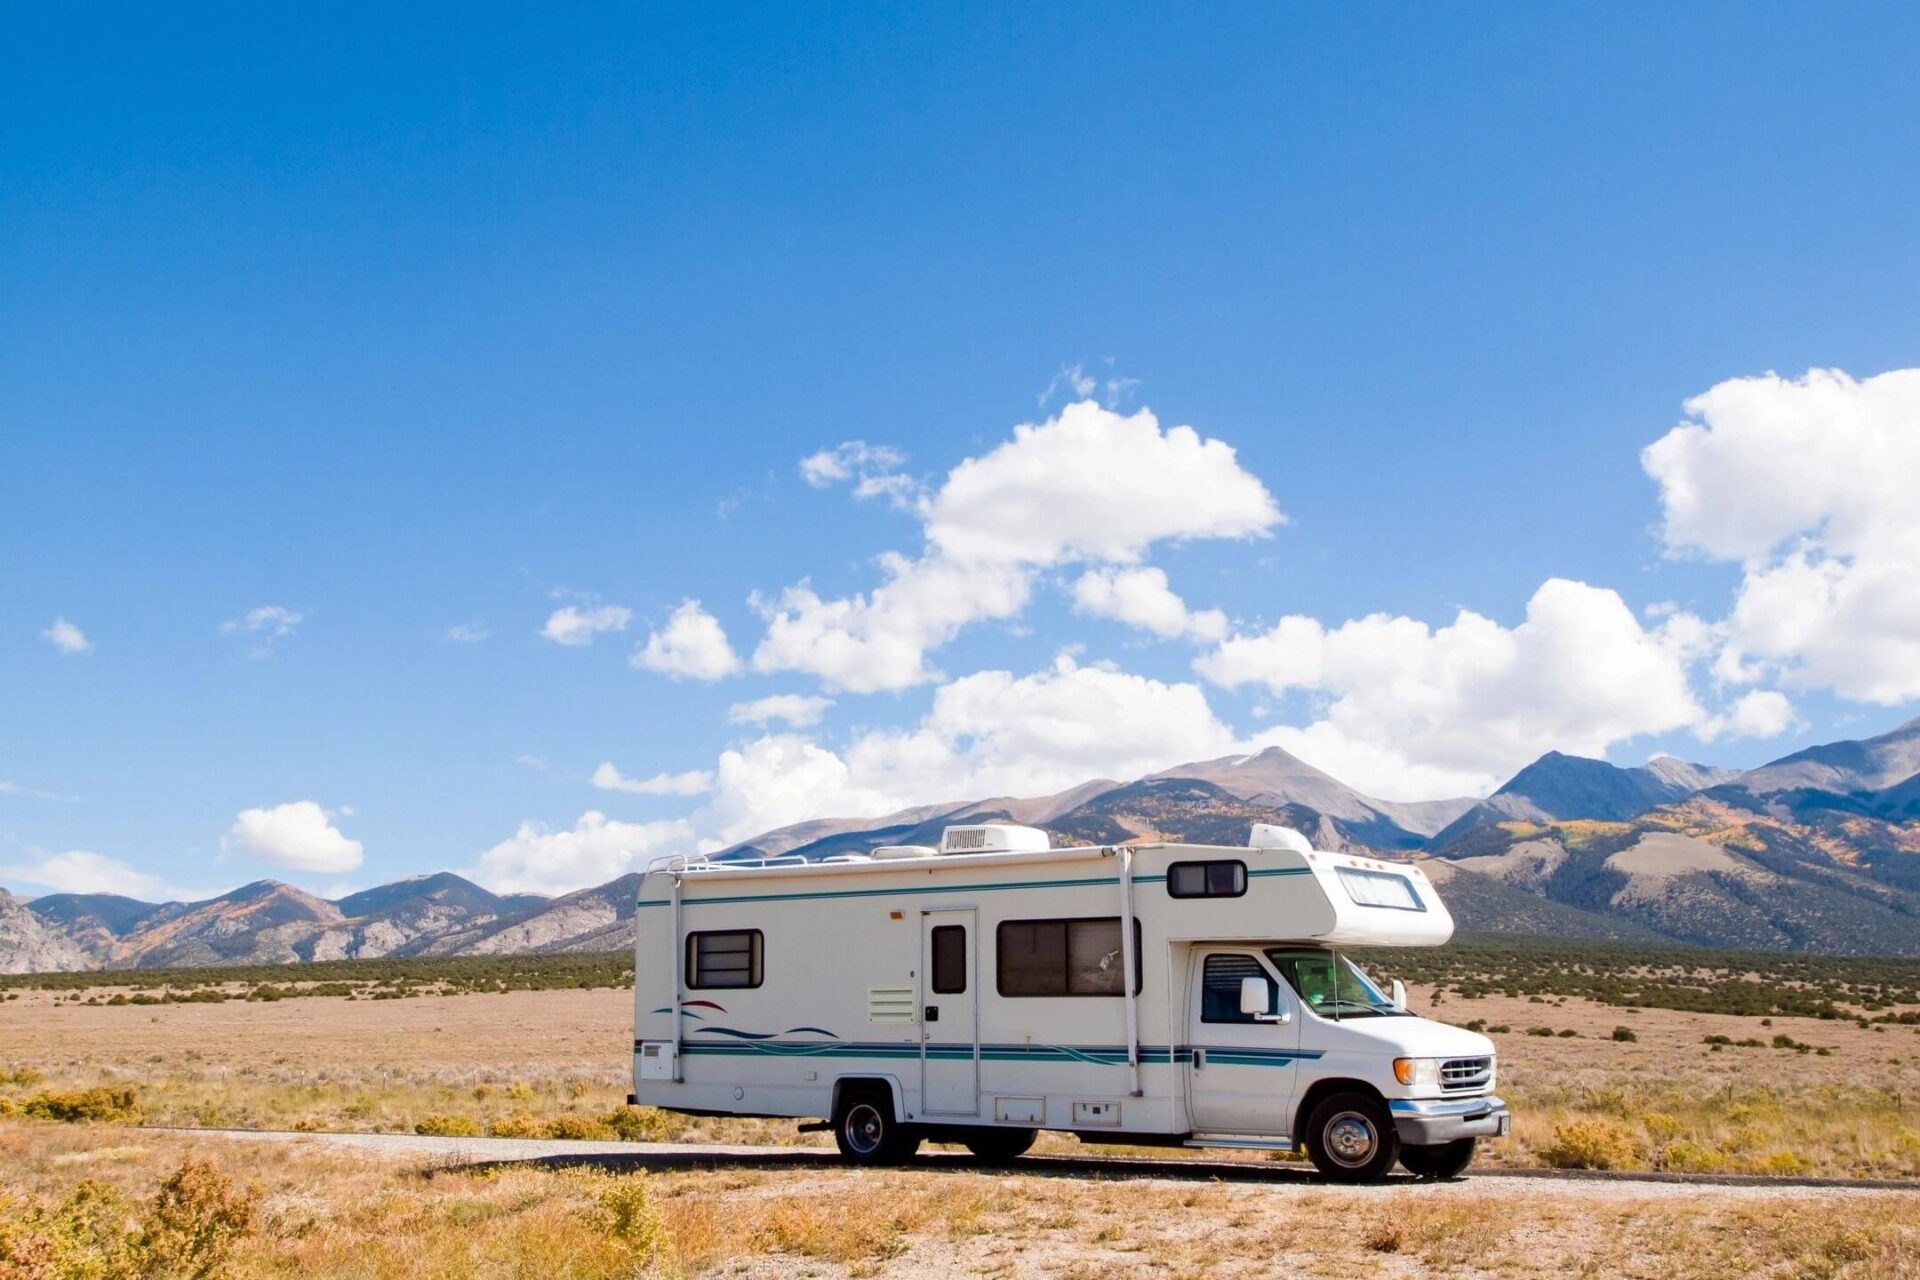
pixel 1321 1089
pixel 883 1085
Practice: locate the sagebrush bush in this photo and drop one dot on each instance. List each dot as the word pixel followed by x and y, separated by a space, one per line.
pixel 1625 1035
pixel 639 1124
pixel 439 1125
pixel 85 1106
pixel 626 1212
pixel 1593 1143
pixel 196 1220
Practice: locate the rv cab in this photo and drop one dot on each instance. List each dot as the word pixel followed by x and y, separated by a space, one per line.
pixel 990 986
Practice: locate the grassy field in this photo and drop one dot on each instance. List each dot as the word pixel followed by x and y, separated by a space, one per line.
pixel 1834 1090
pixel 1624 1061
pixel 116 1204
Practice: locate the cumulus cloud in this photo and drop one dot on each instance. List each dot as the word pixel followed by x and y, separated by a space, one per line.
pixel 1411 711
pixel 80 871
pixel 1093 484
pixel 66 637
pixel 1087 485
pixel 868 643
pixel 596 849
pixel 691 646
pixel 1140 597
pixel 691 783
pixel 1763 713
pixel 1808 484
pixel 799 710
pixel 298 835
pixel 575 626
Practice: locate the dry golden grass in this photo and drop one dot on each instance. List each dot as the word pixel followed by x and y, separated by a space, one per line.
pixel 343 1216
pixel 553 1064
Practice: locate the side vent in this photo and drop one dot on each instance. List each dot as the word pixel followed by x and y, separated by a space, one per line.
pixel 892 1006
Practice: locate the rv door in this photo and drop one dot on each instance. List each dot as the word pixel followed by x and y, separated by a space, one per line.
pixel 949 1007
pixel 1244 1030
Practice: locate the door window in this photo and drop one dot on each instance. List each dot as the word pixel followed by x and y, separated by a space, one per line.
pixel 949 959
pixel 1220 988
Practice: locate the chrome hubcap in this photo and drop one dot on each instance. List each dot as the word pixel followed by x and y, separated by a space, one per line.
pixel 1351 1138
pixel 864 1129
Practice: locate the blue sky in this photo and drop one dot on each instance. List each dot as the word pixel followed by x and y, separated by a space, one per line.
pixel 449 318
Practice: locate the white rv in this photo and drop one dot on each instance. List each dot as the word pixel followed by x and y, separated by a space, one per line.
pixel 984 990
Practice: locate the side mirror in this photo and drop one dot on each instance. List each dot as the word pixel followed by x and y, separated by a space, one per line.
pixel 1399 995
pixel 1253 996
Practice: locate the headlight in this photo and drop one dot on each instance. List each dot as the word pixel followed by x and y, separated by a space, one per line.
pixel 1416 1071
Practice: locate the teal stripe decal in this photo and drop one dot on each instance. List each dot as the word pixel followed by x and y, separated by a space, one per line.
pixel 944 888
pixel 1095 1055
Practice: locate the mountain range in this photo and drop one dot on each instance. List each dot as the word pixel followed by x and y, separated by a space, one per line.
pixel 1818 851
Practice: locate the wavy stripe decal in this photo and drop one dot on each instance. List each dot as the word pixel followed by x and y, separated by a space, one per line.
pixel 748 1043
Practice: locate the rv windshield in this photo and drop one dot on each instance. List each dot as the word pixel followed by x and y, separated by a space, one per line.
pixel 1332 985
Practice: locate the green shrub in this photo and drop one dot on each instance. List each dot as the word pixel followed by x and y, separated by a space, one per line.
pixel 1625 1035
pixel 638 1124
pixel 1543 1032
pixel 1593 1143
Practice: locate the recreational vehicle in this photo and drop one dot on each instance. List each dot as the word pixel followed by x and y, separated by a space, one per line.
pixel 994 986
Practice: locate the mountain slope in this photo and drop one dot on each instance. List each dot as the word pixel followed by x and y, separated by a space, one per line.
pixel 1276 778
pixel 29 945
pixel 1558 786
pixel 1842 768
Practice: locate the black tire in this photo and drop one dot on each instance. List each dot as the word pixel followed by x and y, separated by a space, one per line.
pixel 1001 1146
pixel 866 1132
pixel 1351 1138
pixel 1442 1160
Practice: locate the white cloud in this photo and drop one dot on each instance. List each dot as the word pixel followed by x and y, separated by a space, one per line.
pixel 692 645
pixel 66 637
pixel 1762 713
pixel 1092 484
pixel 266 624
pixel 849 460
pixel 531 762
pixel 79 871
pixel 1809 485
pixel 8 787
pixel 1414 712
pixel 1089 484
pixel 297 834
pixel 574 626
pixel 796 709
pixel 691 783
pixel 871 643
pixel 1141 598
pixel 595 850
pixel 467 633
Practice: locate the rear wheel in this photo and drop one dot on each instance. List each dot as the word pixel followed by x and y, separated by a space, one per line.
pixel 1351 1138
pixel 866 1132
pixel 1441 1160
pixel 998 1146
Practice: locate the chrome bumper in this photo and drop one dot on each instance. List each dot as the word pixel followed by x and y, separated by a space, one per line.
pixel 1424 1123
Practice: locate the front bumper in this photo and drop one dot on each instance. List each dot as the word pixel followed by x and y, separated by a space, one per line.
pixel 1425 1123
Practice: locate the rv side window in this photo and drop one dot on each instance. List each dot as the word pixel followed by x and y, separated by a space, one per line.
pixel 729 959
pixel 1063 957
pixel 1206 879
pixel 1220 988
pixel 949 959
pixel 1380 889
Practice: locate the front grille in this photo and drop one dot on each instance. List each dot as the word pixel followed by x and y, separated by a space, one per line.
pixel 1460 1074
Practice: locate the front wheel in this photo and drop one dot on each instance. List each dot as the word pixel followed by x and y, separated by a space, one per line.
pixel 1351 1138
pixel 998 1146
pixel 1442 1160
pixel 866 1132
